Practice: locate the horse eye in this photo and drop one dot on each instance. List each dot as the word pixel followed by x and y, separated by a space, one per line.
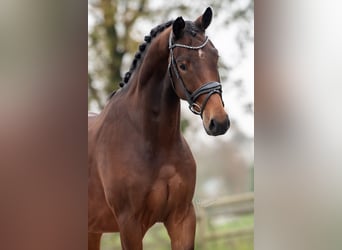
pixel 182 66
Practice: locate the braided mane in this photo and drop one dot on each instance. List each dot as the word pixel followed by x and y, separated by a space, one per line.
pixel 142 47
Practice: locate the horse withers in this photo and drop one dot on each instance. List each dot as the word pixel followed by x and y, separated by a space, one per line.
pixel 141 170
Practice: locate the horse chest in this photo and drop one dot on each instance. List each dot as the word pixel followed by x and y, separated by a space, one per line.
pixel 171 190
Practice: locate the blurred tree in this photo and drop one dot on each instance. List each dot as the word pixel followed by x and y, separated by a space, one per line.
pixel 113 23
pixel 110 43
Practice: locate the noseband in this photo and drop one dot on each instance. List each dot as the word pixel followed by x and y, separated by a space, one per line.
pixel 208 88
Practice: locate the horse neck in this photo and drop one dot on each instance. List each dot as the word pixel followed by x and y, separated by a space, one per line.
pixel 153 97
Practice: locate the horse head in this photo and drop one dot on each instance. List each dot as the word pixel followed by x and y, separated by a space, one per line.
pixel 193 68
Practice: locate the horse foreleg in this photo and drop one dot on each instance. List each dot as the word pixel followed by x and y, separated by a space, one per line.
pixel 131 234
pixel 181 229
pixel 94 240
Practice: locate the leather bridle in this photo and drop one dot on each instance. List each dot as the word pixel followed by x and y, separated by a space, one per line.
pixel 208 88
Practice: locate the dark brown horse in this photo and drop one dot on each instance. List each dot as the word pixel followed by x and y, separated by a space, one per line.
pixel 141 170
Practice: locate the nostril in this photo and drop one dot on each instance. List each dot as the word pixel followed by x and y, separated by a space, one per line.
pixel 212 125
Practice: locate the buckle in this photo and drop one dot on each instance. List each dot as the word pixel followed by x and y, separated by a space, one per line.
pixel 195 108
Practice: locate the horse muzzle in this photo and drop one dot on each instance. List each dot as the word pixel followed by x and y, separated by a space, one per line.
pixel 217 127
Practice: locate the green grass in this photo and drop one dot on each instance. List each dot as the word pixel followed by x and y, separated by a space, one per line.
pixel 233 235
pixel 240 222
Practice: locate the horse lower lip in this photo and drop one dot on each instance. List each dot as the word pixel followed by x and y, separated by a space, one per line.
pixel 208 131
pixel 221 131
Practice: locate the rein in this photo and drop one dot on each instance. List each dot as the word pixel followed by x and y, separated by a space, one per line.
pixel 208 88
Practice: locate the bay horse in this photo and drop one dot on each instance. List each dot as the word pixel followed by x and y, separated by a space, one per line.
pixel 140 168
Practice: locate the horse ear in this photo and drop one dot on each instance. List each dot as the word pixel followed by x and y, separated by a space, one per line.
pixel 203 21
pixel 178 26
